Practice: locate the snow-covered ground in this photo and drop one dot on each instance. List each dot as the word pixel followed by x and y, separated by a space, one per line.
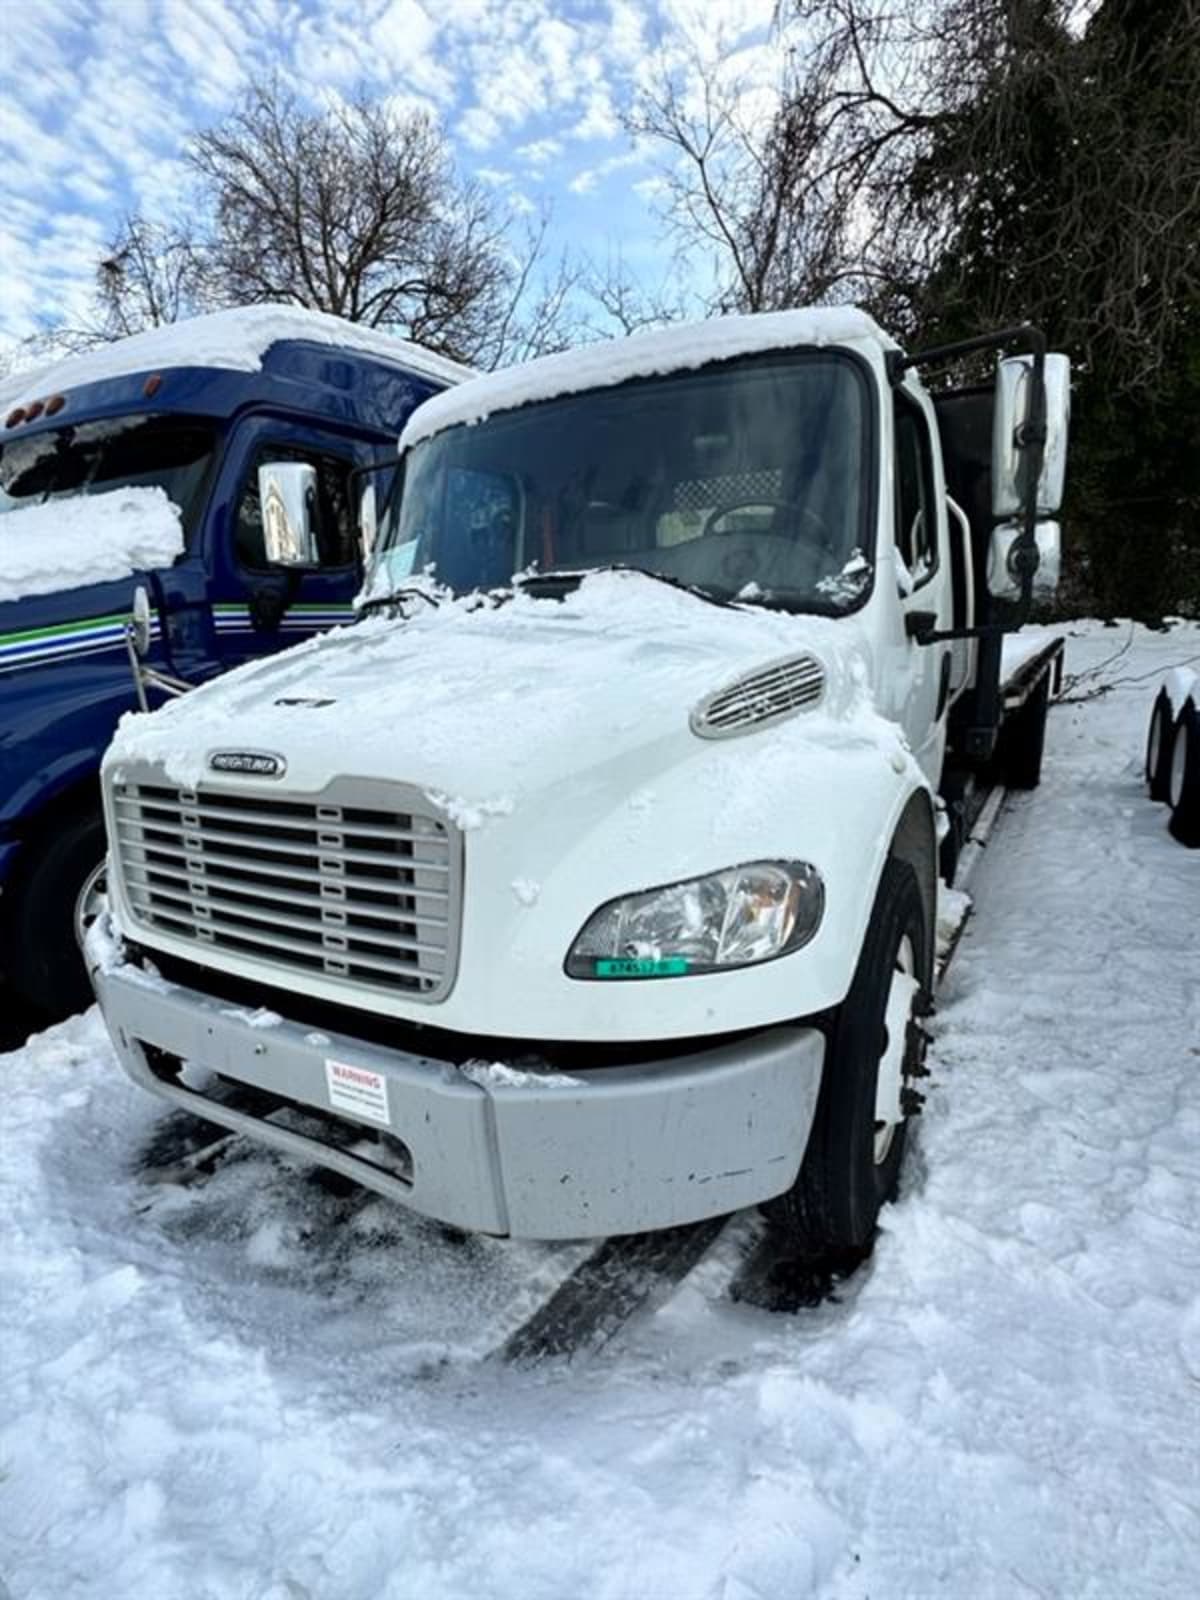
pixel 252 1388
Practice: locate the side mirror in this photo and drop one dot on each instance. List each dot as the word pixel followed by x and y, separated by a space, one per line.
pixel 140 622
pixel 1006 561
pixel 287 492
pixel 368 519
pixel 1014 397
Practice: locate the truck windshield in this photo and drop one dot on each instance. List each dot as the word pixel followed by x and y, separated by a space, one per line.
pixel 92 457
pixel 748 479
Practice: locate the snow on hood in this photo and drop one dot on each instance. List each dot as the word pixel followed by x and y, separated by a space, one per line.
pixel 479 705
pixel 236 340
pixel 64 544
pixel 641 355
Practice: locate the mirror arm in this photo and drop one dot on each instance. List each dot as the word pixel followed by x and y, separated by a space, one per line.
pixel 985 630
pixel 1024 337
pixel 382 464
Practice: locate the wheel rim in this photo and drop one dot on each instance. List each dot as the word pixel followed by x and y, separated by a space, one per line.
pixel 1178 764
pixel 891 1077
pixel 91 900
pixel 1154 752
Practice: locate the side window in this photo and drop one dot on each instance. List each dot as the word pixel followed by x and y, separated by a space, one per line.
pixel 335 526
pixel 916 514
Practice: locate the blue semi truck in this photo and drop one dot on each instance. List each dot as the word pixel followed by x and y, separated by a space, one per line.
pixel 138 466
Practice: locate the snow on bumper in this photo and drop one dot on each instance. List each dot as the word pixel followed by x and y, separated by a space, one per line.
pixel 621 1149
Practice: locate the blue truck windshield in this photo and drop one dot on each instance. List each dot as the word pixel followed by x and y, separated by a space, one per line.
pixel 171 453
pixel 746 479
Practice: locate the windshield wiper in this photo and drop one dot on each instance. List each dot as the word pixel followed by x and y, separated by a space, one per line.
pixel 393 597
pixel 568 579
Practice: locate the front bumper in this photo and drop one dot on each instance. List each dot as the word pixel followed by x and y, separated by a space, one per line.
pixel 622 1149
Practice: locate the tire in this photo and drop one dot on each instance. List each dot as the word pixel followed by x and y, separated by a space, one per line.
pixel 852 1163
pixel 954 796
pixel 1023 740
pixel 46 966
pixel 1183 789
pixel 1159 741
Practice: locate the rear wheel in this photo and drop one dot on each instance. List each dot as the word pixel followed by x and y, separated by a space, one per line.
pixel 1183 787
pixel 1023 740
pixel 46 965
pixel 875 1052
pixel 1159 743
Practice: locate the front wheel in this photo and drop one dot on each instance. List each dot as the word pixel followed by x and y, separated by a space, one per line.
pixel 874 1054
pixel 53 898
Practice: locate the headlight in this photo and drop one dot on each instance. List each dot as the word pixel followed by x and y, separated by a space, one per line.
pixel 728 919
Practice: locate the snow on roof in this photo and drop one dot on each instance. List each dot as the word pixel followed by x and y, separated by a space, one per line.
pixel 641 355
pixel 237 340
pixel 95 538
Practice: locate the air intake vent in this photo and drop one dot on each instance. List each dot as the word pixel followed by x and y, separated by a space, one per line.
pixel 772 693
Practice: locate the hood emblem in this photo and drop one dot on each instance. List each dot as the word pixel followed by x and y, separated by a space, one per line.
pixel 259 762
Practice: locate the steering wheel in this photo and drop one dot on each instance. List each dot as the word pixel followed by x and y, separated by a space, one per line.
pixel 804 513
pixel 769 559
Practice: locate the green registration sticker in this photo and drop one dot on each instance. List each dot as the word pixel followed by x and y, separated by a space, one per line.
pixel 643 967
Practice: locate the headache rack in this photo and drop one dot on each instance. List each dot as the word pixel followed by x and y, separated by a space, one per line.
pixel 356 893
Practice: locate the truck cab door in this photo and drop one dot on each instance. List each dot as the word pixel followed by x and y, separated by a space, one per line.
pixel 923 569
pixel 258 608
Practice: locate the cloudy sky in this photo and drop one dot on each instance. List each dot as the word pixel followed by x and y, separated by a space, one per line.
pixel 98 98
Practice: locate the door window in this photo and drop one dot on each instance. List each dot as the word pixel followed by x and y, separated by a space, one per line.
pixel 335 525
pixel 916 514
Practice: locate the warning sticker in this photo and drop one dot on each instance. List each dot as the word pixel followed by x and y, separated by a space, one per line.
pixel 355 1089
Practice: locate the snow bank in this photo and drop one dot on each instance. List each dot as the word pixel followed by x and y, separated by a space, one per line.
pixel 597 366
pixel 236 340
pixel 97 538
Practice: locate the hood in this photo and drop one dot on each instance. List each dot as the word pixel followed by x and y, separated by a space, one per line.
pixel 478 704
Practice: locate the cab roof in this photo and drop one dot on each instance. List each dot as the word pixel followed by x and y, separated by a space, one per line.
pixel 237 340
pixel 678 348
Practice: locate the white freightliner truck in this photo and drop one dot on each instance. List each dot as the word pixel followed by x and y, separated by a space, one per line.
pixel 588 884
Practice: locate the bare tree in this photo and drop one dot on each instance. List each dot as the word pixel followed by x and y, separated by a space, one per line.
pixel 627 305
pixel 1035 157
pixel 776 210
pixel 152 273
pixel 358 211
pixel 534 315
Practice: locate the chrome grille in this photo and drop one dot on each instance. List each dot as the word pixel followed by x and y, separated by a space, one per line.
pixel 361 895
pixel 771 693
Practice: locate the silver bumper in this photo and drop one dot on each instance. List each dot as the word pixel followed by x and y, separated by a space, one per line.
pixel 621 1149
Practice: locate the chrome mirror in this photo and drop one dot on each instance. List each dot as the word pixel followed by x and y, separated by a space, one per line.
pixel 287 492
pixel 368 519
pixel 140 621
pixel 1014 393
pixel 1006 560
